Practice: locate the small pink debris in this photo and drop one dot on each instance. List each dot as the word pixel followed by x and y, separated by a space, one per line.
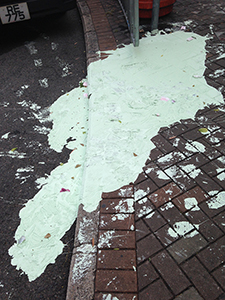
pixel 165 99
pixel 183 28
pixel 157 115
pixel 85 95
pixel 190 39
pixel 85 84
pixel 64 190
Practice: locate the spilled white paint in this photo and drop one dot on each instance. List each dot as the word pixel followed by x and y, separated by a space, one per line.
pixel 125 206
pixel 188 168
pixel 195 173
pixel 167 206
pixel 221 176
pixel 161 175
pixel 31 47
pixel 145 209
pixel 217 73
pixel 125 97
pixel 105 239
pixel 138 194
pixel 191 203
pixel 200 147
pixel 120 217
pixel 83 260
pixel 183 227
pixel 217 202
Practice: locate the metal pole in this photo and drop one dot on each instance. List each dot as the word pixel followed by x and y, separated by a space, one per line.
pixel 136 23
pixel 155 17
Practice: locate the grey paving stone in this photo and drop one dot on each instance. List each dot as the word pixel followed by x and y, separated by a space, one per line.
pixel 170 272
pixel 190 294
pixel 187 246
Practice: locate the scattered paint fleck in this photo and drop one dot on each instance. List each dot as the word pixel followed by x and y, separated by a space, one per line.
pixel 5 136
pixel 47 236
pixel 21 240
pixel 38 62
pixel 43 82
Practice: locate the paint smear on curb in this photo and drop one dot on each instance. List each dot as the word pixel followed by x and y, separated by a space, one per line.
pixel 125 112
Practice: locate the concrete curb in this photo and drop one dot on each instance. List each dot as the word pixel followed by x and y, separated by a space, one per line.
pixel 90 36
pixel 83 262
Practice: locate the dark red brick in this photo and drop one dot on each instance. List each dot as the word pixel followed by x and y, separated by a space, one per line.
pixel 121 281
pixel 220 179
pixel 210 231
pixel 181 201
pixel 201 279
pixel 215 205
pixel 187 246
pixel 193 162
pixel 208 151
pixel 220 220
pixel 141 230
pixel 147 247
pixel 189 123
pixel 116 221
pixel 154 220
pixel 142 208
pixel 219 275
pixel 156 290
pixel 141 177
pixel 162 144
pixel 192 135
pixel 170 159
pixel 116 259
pixel 166 235
pixel 111 239
pixel 124 192
pixel 190 294
pixel 155 154
pixel 196 216
pixel 111 206
pixel 213 255
pixel 220 147
pixel 170 272
pixel 180 178
pixel 146 274
pixel 171 213
pixel 164 194
pixel 205 182
pixel 144 188
pixel 156 174
pixel 183 146
pixel 216 136
pixel 174 131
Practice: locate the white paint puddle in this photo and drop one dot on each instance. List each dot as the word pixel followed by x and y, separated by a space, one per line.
pixel 125 111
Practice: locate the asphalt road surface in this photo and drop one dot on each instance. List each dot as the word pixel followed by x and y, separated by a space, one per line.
pixel 39 61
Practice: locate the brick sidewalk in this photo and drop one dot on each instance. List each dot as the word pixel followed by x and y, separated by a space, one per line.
pixel 179 231
pixel 162 237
